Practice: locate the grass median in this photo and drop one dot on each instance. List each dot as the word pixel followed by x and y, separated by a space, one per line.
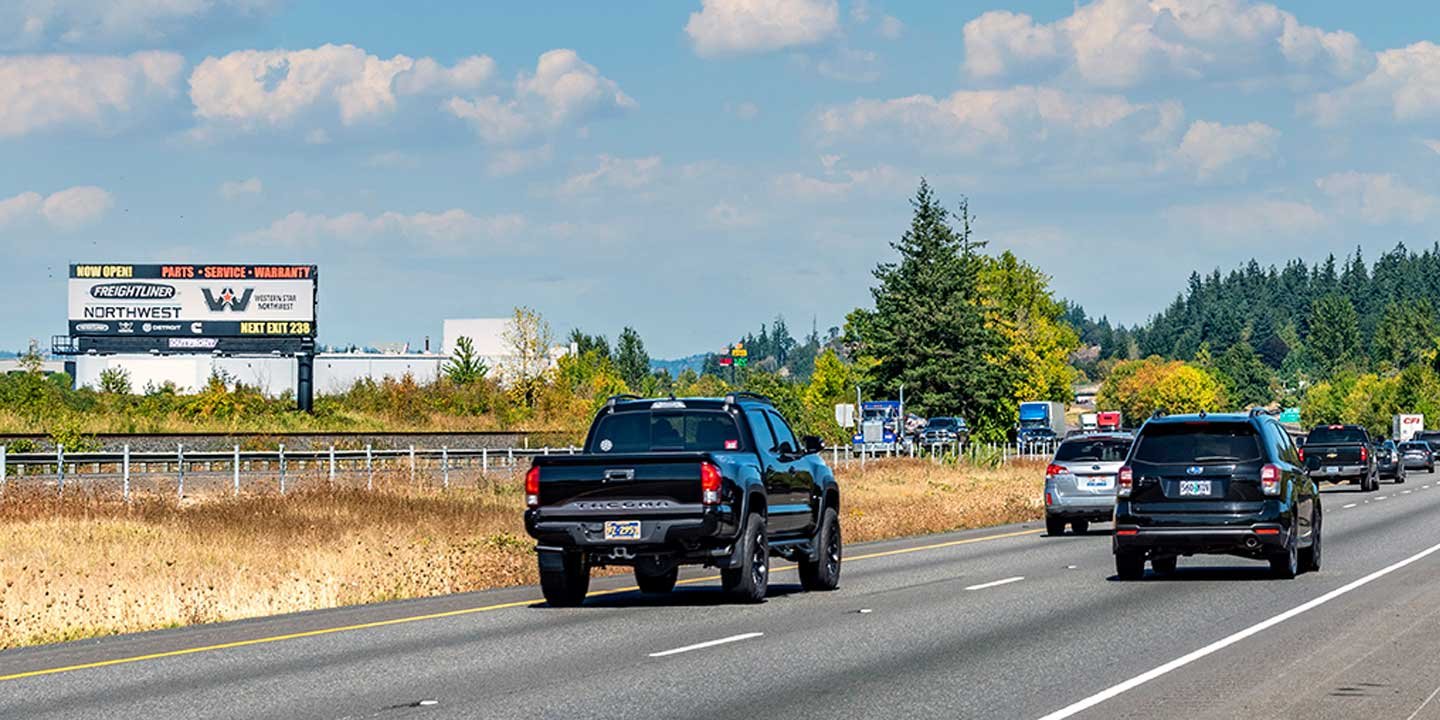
pixel 88 564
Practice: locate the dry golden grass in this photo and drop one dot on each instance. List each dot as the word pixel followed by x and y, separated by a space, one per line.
pixel 88 565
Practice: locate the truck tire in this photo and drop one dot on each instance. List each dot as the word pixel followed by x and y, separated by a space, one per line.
pixel 1164 565
pixel 1054 526
pixel 1080 527
pixel 749 582
pixel 1129 565
pixel 652 583
pixel 824 572
pixel 564 578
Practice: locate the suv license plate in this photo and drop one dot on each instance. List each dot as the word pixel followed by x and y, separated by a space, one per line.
pixel 1194 488
pixel 622 529
pixel 1099 483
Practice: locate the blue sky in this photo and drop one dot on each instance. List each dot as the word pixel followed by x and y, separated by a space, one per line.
pixel 695 168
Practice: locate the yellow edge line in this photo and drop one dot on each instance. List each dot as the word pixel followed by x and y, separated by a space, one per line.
pixel 451 613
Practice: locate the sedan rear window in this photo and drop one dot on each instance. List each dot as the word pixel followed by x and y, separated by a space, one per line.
pixel 643 431
pixel 1336 436
pixel 1092 451
pixel 1198 443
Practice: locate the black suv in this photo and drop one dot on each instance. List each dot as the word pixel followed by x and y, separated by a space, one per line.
pixel 1218 485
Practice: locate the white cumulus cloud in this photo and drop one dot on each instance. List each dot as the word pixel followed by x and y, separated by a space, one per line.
pixel 613 173
pixel 563 91
pixel 100 93
pixel 259 89
pixel 1404 87
pixel 737 27
pixel 1211 148
pixel 1379 198
pixel 69 209
pixel 1124 43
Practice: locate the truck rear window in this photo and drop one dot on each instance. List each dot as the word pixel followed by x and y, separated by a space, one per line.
pixel 641 431
pixel 1336 436
pixel 1092 450
pixel 1183 443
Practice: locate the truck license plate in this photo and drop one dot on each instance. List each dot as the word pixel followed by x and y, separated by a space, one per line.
pixel 1332 470
pixel 622 529
pixel 1194 488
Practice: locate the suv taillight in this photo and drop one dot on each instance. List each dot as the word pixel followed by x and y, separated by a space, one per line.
pixel 709 484
pixel 1270 480
pixel 1052 470
pixel 532 487
pixel 1124 482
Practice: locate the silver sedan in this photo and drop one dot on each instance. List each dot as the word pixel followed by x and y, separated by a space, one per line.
pixel 1080 480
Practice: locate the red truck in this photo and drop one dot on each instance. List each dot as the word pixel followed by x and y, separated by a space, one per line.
pixel 1108 421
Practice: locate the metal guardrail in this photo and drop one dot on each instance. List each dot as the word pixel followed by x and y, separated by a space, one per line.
pixel 332 462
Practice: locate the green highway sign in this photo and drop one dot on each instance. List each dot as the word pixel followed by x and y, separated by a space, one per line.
pixel 1290 415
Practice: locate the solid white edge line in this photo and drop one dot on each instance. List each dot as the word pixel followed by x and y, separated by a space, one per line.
pixel 997 583
pixel 1182 661
pixel 707 644
pixel 1428 700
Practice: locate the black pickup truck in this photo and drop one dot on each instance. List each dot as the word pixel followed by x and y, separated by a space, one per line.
pixel 1341 452
pixel 720 482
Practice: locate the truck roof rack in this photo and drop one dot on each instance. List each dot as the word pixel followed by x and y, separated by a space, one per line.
pixel 731 398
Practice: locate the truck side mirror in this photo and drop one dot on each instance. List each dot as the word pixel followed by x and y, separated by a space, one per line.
pixel 812 444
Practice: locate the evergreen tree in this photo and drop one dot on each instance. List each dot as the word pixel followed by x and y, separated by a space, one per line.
pixel 586 343
pixel 928 329
pixel 1247 380
pixel 1334 333
pixel 631 359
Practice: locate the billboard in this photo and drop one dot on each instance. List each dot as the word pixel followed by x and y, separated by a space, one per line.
pixel 192 305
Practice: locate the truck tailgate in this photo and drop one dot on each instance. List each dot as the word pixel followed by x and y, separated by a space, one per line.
pixel 603 479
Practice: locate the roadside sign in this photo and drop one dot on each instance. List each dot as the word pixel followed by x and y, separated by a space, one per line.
pixel 741 361
pixel 740 351
pixel 726 361
pixel 1290 415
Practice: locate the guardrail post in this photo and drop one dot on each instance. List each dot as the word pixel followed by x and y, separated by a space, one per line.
pixel 125 472
pixel 235 472
pixel 282 468
pixel 369 470
pixel 60 467
pixel 332 464
pixel 412 465
pixel 484 461
pixel 445 466
pixel 3 470
pixel 180 467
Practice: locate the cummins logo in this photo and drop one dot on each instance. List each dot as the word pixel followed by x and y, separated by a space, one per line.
pixel 133 291
pixel 227 299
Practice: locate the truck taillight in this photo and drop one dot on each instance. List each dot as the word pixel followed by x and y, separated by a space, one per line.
pixel 1364 454
pixel 709 484
pixel 532 487
pixel 1124 482
pixel 1052 470
pixel 1302 454
pixel 1270 480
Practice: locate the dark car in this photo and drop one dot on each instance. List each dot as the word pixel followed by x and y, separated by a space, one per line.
pixel 1388 463
pixel 1417 455
pixel 945 431
pixel 1216 485
pixel 720 482
pixel 1341 453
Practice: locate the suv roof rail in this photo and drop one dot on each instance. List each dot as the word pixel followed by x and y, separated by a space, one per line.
pixel 1157 414
pixel 1256 411
pixel 733 397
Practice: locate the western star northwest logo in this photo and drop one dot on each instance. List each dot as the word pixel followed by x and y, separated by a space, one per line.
pixel 228 300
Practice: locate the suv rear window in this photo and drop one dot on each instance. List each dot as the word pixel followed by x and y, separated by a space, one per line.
pixel 1336 436
pixel 640 431
pixel 1194 443
pixel 1414 446
pixel 1107 450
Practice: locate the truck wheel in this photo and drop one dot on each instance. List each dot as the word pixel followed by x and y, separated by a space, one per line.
pixel 824 572
pixel 564 578
pixel 1080 526
pixel 749 581
pixel 652 583
pixel 1054 526
pixel 1129 565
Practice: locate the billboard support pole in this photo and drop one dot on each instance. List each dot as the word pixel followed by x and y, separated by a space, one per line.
pixel 305 382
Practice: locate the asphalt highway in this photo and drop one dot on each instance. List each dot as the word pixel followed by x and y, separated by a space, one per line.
pixel 997 623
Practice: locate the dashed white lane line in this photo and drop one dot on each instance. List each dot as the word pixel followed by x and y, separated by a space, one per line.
pixel 1347 507
pixel 1182 661
pixel 707 644
pixel 1404 492
pixel 997 583
pixel 1382 497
